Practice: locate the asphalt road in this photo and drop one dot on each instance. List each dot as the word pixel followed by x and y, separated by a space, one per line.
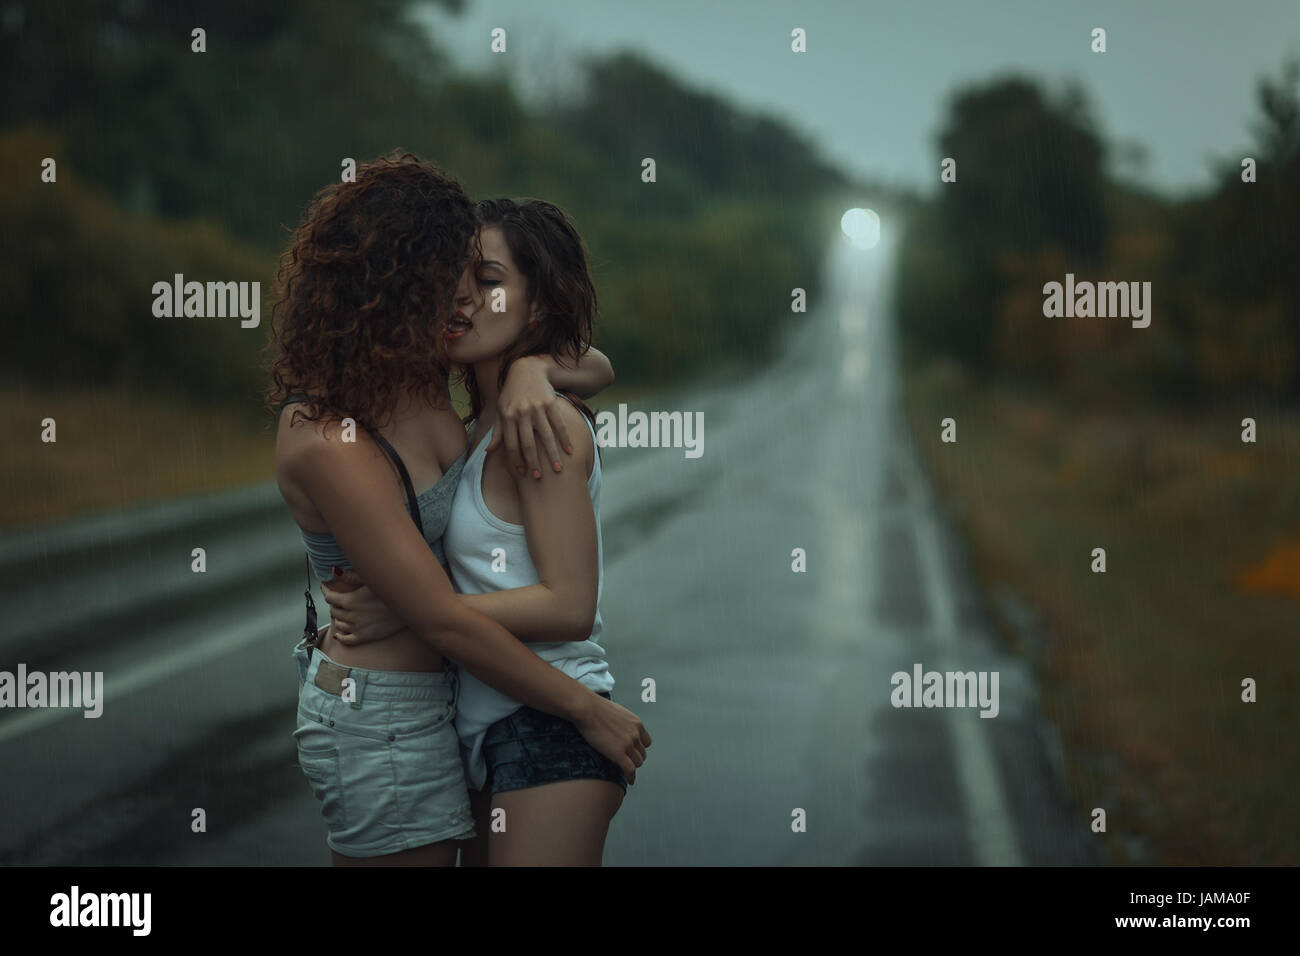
pixel 773 688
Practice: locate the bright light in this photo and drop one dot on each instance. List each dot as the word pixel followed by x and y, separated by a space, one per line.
pixel 862 227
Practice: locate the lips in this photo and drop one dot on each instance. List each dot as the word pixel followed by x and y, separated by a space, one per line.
pixel 457 326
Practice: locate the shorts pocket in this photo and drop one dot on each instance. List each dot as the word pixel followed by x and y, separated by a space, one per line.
pixel 339 719
pixel 322 769
pixel 370 724
pixel 410 718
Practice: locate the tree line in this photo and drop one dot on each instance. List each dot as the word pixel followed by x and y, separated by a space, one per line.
pixel 1037 197
pixel 171 161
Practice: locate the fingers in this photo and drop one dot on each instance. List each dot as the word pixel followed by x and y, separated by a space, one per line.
pixel 529 447
pixel 645 736
pixel 545 427
pixel 513 458
pixel 341 582
pixel 520 432
pixel 337 600
pixel 561 431
pixel 635 756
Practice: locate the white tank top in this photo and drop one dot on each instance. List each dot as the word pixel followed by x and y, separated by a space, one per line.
pixel 473 533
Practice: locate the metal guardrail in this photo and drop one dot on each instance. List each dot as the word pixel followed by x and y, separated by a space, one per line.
pixel 25 545
pixel 111 578
pixel 120 577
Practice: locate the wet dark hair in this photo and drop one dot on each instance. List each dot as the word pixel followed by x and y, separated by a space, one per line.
pixel 550 254
pixel 363 289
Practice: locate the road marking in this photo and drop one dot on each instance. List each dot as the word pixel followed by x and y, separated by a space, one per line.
pixel 249 630
pixel 989 826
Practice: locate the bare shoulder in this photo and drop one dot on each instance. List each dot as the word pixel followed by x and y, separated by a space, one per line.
pixel 303 446
pixel 579 433
pixel 298 444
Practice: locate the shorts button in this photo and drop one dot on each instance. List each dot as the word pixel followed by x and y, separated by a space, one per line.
pixel 391 737
pixel 331 723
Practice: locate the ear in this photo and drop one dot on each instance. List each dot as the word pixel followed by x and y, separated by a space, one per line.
pixel 534 316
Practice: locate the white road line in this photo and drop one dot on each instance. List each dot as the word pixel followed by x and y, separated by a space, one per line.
pixel 988 822
pixel 284 621
pixel 989 826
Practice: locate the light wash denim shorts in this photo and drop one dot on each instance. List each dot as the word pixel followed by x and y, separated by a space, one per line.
pixel 384 762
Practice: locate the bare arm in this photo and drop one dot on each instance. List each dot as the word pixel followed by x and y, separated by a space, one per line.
pixel 534 614
pixel 561 537
pixel 351 486
pixel 588 375
pixel 530 614
pixel 529 404
pixel 561 532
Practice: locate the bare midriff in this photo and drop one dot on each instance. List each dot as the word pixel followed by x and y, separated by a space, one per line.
pixel 402 651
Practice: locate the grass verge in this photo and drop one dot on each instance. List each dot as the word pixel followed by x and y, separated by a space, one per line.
pixel 117 450
pixel 1142 666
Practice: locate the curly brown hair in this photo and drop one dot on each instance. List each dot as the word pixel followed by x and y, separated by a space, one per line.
pixel 364 287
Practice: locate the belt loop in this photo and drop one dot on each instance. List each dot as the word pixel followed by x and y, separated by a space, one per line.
pixel 302 662
pixel 359 676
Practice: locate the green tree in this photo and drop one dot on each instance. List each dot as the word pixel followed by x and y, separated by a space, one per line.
pixel 1029 175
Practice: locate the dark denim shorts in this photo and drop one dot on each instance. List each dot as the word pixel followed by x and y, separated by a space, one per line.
pixel 530 748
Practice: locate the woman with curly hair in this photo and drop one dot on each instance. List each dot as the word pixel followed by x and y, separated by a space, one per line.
pixel 363 296
pixel 528 553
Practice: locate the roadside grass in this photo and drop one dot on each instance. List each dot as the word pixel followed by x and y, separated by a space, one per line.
pixel 118 450
pixel 1142 666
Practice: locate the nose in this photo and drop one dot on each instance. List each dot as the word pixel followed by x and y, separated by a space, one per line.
pixel 464 294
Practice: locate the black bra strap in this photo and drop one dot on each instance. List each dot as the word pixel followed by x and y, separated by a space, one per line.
pixel 412 505
pixel 309 632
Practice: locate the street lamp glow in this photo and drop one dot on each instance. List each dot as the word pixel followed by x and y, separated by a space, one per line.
pixel 861 227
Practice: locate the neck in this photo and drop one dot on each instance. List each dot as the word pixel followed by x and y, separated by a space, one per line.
pixel 486 375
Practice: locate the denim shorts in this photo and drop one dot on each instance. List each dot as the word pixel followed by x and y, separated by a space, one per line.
pixel 530 748
pixel 382 755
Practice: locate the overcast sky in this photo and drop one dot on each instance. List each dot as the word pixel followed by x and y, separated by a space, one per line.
pixel 1179 75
